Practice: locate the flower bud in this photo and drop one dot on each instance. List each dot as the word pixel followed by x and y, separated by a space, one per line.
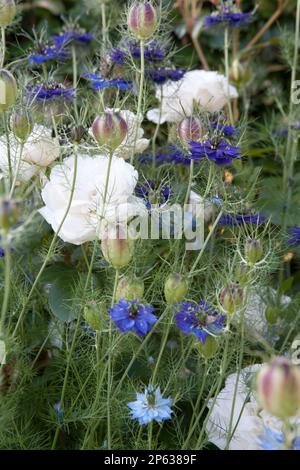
pixel 116 248
pixel 189 129
pixel 209 348
pixel 176 287
pixel 130 288
pixel 21 125
pixel 8 90
pixel 253 251
pixel 278 387
pixel 92 316
pixel 243 274
pixel 77 134
pixel 142 20
pixel 9 211
pixel 109 129
pixel 231 298
pixel 7 12
pixel 239 74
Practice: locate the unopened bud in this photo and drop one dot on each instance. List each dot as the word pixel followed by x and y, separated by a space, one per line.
pixel 142 20
pixel 239 74
pixel 92 316
pixel 176 287
pixel 7 12
pixel 109 129
pixel 278 387
pixel 9 211
pixel 130 288
pixel 77 134
pixel 243 274
pixel 231 298
pixel 21 125
pixel 253 251
pixel 116 248
pixel 8 90
pixel 190 129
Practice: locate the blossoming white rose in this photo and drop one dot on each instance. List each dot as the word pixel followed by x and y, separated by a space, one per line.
pixel 135 134
pixel 88 214
pixel 39 151
pixel 248 421
pixel 209 90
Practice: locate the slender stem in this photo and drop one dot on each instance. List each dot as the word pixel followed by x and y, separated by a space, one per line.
pixel 157 130
pixel 162 348
pixel 17 170
pixel 7 281
pixel 4 115
pixel 226 52
pixel 187 197
pixel 140 98
pixel 104 26
pixel 3 37
pixel 75 77
pixel 109 369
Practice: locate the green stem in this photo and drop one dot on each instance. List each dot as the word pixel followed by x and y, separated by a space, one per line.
pixel 140 98
pixel 162 348
pixel 7 273
pixel 226 52
pixel 17 171
pixel 3 37
pixel 8 146
pixel 157 130
pixel 75 78
pixel 104 26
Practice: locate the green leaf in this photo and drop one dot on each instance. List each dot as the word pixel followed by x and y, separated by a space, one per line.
pixel 62 300
pixel 286 285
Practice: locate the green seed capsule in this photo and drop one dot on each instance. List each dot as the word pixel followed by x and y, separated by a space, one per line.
pixel 8 90
pixel 176 287
pixel 7 12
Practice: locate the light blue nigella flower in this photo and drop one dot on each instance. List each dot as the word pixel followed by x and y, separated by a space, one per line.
pixel 274 440
pixel 151 406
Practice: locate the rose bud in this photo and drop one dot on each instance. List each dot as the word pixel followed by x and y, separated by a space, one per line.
pixel 116 249
pixel 189 129
pixel 7 12
pixel 109 129
pixel 253 251
pixel 9 212
pixel 21 125
pixel 8 90
pixel 130 288
pixel 142 20
pixel 231 298
pixel 278 387
pixel 92 314
pixel 176 287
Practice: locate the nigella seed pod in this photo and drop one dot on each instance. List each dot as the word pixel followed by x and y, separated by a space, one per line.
pixel 110 129
pixel 231 298
pixel 130 288
pixel 117 249
pixel 9 212
pixel 190 129
pixel 243 274
pixel 176 287
pixel 209 348
pixel 8 90
pixel 92 314
pixel 278 388
pixel 21 125
pixel 253 251
pixel 7 12
pixel 142 20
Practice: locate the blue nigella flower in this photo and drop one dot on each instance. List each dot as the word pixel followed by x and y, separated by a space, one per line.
pixel 153 52
pixel 46 54
pixel 229 15
pixel 152 193
pixel 49 92
pixel 221 153
pixel 99 83
pixel 199 319
pixel 151 406
pixel 162 75
pixel 241 219
pixel 133 316
pixel 295 236
pixel 274 440
pixel 2 252
pixel 225 129
pixel 64 39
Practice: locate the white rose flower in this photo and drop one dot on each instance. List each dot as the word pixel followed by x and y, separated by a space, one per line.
pixel 209 90
pixel 249 420
pixel 39 151
pixel 135 134
pixel 82 222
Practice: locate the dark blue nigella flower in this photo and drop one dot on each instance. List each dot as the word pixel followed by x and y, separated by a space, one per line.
pixel 99 83
pixel 199 319
pixel 133 316
pixel 118 56
pixel 294 236
pixel 46 54
pixel 153 52
pixel 232 19
pixel 51 91
pixel 221 153
pixel 152 193
pixel 65 39
pixel 225 129
pixel 241 219
pixel 162 75
pixel 2 252
pixel 275 440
